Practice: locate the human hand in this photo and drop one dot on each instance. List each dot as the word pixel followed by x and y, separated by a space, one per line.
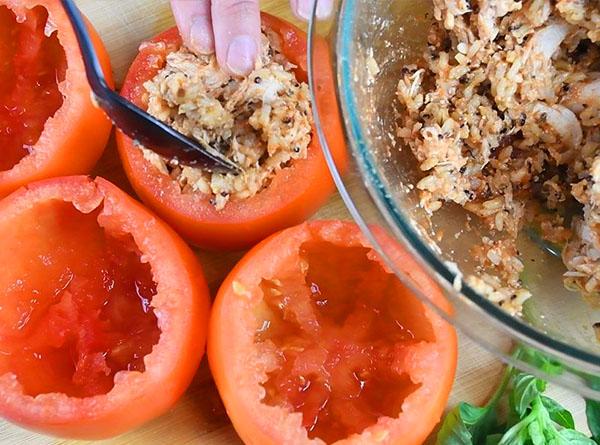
pixel 231 28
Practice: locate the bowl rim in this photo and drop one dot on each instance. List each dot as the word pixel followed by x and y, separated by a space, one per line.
pixel 399 222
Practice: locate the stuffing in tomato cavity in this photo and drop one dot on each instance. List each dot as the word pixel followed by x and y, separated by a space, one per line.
pixel 74 313
pixel 32 67
pixel 262 121
pixel 337 341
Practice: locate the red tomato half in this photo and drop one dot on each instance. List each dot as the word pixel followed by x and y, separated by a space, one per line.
pixel 312 337
pixel 103 310
pixel 48 123
pixel 294 193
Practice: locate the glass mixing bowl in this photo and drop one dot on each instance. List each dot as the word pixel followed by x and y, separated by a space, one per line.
pixel 378 189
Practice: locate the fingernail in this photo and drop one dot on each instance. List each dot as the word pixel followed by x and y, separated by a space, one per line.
pixel 201 39
pixel 324 9
pixel 241 55
pixel 305 9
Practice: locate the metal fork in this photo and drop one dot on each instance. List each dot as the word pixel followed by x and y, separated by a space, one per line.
pixel 135 122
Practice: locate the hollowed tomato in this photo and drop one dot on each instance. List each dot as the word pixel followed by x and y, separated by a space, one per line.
pixel 313 340
pixel 293 194
pixel 48 124
pixel 103 310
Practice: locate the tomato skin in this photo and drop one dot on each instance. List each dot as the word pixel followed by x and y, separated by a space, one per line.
pixel 181 306
pixel 295 192
pixel 74 138
pixel 260 424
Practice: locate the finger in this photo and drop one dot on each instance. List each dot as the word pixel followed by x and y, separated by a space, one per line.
pixel 303 8
pixel 193 19
pixel 236 24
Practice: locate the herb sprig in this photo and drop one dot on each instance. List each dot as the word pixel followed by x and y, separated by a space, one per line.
pixel 532 418
pixel 592 410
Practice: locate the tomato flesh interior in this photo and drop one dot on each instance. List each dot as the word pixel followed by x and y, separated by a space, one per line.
pixel 32 64
pixel 77 306
pixel 339 330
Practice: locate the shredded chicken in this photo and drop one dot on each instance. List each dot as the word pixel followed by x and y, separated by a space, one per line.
pixel 503 113
pixel 262 122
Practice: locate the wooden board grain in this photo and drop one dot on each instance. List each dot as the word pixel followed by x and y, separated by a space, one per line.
pixel 199 417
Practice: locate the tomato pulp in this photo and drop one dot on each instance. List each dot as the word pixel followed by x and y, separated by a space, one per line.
pixel 339 342
pixel 103 310
pixel 330 346
pixel 75 313
pixel 294 193
pixel 33 64
pixel 48 124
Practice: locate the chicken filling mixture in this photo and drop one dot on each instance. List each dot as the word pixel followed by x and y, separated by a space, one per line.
pixel 502 114
pixel 262 122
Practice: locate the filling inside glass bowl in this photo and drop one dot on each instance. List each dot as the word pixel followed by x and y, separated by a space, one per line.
pixel 482 130
pixel 500 113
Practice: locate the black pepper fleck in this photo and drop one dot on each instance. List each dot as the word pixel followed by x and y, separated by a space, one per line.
pixel 447 44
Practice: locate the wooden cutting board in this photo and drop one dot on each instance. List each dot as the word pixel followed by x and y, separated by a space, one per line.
pixel 199 417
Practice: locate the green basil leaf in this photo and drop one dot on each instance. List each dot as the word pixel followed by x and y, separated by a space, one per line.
pixel 472 415
pixel 540 361
pixel 517 435
pixel 559 414
pixel 493 439
pixel 536 434
pixel 573 437
pixel 454 431
pixel 552 367
pixel 525 389
pixel 466 425
pixel 592 410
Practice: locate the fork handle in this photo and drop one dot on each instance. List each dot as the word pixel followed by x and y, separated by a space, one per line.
pixel 93 69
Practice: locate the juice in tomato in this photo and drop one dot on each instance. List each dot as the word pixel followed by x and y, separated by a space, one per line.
pixel 339 339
